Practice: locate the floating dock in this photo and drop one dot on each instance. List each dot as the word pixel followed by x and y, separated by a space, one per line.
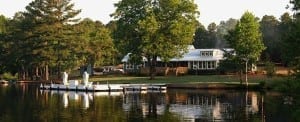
pixel 74 85
pixel 126 88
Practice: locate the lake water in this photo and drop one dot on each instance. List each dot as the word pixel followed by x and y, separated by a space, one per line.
pixel 26 103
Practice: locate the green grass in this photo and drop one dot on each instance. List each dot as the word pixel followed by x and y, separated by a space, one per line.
pixel 232 79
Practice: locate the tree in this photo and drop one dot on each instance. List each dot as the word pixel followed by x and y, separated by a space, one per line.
pixel 97 45
pixel 222 30
pixel 156 28
pixel 48 33
pixel 246 39
pixel 292 39
pixel 212 35
pixel 285 26
pixel 200 38
pixel 269 27
pixel 3 46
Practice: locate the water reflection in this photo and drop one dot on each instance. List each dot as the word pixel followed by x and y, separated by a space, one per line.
pixel 84 98
pixel 213 106
pixel 28 103
pixel 150 104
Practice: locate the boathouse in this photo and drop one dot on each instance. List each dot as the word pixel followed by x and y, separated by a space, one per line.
pixel 194 61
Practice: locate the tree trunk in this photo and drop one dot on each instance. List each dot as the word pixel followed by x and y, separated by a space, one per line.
pixel 246 73
pixel 92 68
pixel 46 72
pixel 240 76
pixel 152 70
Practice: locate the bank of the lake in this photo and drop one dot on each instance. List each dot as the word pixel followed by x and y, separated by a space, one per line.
pixel 195 81
pixel 188 81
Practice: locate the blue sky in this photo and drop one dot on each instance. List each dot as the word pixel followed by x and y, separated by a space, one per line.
pixel 210 10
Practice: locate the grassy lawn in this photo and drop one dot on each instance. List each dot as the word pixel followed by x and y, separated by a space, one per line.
pixel 232 79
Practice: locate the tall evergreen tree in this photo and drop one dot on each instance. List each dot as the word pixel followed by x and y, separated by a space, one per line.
pixel 292 39
pixel 269 27
pixel 48 34
pixel 201 37
pixel 3 44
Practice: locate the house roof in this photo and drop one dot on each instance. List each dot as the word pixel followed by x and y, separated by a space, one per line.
pixel 192 55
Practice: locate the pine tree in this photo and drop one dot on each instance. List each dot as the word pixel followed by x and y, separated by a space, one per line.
pixel 47 34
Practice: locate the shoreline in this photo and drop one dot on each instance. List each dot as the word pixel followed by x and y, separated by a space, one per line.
pixel 227 86
pixel 189 85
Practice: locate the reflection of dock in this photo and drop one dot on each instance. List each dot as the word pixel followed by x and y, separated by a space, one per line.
pixel 84 97
pixel 3 82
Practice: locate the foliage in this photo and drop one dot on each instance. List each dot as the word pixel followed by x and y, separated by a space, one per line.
pixel 222 31
pixel 292 39
pixel 3 46
pixel 97 44
pixel 39 38
pixel 269 27
pixel 270 69
pixel 205 38
pixel 231 64
pixel 8 76
pixel 246 38
pixel 201 37
pixel 284 29
pixel 155 28
pixel 214 37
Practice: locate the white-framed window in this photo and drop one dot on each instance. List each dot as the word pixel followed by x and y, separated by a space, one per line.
pixel 195 65
pixel 210 53
pixel 200 66
pixel 208 65
pixel 205 65
pixel 213 64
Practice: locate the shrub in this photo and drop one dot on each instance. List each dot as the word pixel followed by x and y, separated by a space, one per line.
pixel 9 76
pixel 270 69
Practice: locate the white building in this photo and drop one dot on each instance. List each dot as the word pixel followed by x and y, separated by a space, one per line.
pixel 194 59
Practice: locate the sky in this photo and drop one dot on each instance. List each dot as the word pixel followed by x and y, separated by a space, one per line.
pixel 210 10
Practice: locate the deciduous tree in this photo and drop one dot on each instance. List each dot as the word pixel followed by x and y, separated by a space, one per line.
pixel 156 28
pixel 246 39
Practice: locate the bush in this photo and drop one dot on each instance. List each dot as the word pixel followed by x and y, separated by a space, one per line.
pixel 8 76
pixel 270 69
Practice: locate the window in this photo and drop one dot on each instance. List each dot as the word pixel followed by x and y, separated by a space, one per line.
pixel 202 53
pixel 210 53
pixel 195 65
pixel 206 54
pixel 200 66
pixel 208 65
pixel 205 65
pixel 213 64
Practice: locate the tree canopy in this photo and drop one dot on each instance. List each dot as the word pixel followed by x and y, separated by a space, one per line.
pixel 246 38
pixel 155 28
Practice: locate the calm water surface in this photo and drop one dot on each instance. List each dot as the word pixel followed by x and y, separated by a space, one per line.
pixel 26 103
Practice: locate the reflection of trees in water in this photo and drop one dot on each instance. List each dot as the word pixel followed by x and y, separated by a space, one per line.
pixel 211 106
pixel 23 103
